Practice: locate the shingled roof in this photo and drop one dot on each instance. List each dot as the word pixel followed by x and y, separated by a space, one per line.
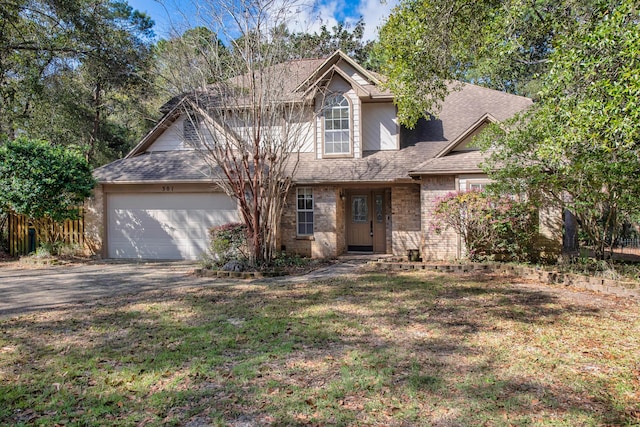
pixel 462 110
pixel 166 166
pixel 424 150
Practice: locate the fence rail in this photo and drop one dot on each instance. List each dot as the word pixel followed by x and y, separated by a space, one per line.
pixel 633 242
pixel 22 234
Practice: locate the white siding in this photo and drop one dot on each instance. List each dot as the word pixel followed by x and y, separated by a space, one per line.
pixel 164 226
pixel 171 139
pixel 380 129
pixel 306 133
pixel 351 72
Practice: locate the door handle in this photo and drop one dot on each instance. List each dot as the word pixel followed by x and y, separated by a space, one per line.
pixel 371 229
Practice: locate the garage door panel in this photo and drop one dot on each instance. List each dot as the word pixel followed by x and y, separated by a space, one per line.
pixel 161 226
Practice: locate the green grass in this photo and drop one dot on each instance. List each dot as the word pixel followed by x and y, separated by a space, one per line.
pixel 374 349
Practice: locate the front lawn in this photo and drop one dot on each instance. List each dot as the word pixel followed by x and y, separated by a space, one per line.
pixel 374 349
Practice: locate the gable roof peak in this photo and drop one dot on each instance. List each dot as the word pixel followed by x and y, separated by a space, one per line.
pixel 479 123
pixel 330 62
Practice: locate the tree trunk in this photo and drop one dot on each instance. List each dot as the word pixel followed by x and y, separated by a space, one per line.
pixel 570 246
pixel 93 137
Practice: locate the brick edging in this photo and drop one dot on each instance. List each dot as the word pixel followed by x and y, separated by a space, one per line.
pixel 598 284
pixel 204 272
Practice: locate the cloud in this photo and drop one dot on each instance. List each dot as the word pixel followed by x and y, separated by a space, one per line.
pixel 310 17
pixel 374 13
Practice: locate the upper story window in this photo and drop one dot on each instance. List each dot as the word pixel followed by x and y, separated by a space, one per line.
pixel 337 125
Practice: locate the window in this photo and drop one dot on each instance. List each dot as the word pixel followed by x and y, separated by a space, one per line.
pixel 477 185
pixel 305 211
pixel 337 133
pixel 359 208
pixel 191 129
pixel 379 212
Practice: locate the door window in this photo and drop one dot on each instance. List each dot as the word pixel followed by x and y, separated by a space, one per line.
pixel 379 209
pixel 359 209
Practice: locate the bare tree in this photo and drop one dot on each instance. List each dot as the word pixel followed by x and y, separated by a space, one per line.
pixel 246 117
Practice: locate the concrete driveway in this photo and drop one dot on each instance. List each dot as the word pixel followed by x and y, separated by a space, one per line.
pixel 25 290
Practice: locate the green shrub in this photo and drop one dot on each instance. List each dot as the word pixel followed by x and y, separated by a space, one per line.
pixel 284 260
pixel 227 242
pixel 491 227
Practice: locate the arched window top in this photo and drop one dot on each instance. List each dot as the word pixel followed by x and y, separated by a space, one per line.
pixel 336 100
pixel 337 125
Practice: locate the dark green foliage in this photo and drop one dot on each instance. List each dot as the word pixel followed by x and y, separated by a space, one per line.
pixel 74 73
pixel 325 42
pixel 578 147
pixel 505 45
pixel 42 182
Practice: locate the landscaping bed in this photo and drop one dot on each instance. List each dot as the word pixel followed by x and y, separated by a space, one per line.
pixel 622 288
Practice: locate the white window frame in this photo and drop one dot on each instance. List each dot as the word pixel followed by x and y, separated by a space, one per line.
pixel 478 186
pixel 337 103
pixel 304 195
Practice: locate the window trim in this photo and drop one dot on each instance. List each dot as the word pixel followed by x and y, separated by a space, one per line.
pixel 482 183
pixel 307 193
pixel 325 108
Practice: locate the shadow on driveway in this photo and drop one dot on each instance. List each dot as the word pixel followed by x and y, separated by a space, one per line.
pixel 27 290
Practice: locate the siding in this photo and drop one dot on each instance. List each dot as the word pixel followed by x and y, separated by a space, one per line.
pixel 380 129
pixel 351 72
pixel 171 139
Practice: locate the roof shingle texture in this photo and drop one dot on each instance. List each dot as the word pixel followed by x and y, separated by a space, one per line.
pixel 167 166
pixel 461 109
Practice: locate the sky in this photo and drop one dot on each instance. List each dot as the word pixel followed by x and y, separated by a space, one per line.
pixel 176 15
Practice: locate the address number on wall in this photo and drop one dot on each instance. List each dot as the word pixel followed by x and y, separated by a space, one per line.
pixel 167 188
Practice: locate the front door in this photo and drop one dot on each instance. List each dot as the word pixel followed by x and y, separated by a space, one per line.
pixel 366 221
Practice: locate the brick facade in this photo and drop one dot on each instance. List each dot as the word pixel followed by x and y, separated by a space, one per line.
pixel 443 245
pixel 409 209
pixel 329 233
pixel 328 225
pixel 405 219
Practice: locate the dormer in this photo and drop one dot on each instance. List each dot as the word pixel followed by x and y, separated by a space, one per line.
pixel 466 141
pixel 353 115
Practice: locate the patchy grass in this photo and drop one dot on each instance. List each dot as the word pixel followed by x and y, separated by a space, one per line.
pixel 372 349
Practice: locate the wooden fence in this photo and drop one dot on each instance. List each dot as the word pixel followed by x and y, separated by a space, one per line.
pixel 22 235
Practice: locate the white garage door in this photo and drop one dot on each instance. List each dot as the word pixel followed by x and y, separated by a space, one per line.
pixel 165 226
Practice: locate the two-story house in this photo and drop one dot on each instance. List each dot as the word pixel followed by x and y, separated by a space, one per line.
pixel 364 183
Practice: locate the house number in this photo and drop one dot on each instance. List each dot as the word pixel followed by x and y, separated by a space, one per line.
pixel 166 188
